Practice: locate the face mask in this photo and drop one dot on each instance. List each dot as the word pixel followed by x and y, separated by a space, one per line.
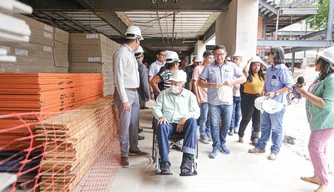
pixel 175 89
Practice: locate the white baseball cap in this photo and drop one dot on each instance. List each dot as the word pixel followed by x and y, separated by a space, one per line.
pixel 133 32
pixel 179 76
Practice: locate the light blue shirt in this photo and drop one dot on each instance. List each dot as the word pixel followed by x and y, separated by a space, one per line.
pixel 155 68
pixel 278 78
pixel 213 73
pixel 173 107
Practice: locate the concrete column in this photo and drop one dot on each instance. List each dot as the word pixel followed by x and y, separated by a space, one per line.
pixel 200 48
pixel 237 28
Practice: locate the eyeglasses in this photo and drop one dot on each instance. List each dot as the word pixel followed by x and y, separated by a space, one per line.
pixel 235 58
pixel 218 55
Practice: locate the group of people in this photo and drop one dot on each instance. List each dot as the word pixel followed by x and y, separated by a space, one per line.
pixel 221 95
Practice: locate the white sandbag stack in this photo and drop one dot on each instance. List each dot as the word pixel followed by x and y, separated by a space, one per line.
pixel 12 29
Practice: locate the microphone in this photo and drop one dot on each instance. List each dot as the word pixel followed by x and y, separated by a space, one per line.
pixel 300 82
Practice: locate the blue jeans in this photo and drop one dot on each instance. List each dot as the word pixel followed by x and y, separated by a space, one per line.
pixel 190 138
pixel 204 120
pixel 271 124
pixel 219 133
pixel 236 114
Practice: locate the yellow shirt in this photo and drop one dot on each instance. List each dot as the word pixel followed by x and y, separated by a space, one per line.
pixel 254 87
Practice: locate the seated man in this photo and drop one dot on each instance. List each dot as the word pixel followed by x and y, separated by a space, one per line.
pixel 177 110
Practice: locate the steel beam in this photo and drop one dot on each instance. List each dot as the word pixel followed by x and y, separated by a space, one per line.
pixel 268 6
pixel 297 3
pixel 330 21
pixel 294 43
pixel 298 11
pixel 109 17
pixel 54 5
pixel 158 42
pixel 166 5
pixel 209 33
pixel 315 34
pixel 298 49
pixel 263 15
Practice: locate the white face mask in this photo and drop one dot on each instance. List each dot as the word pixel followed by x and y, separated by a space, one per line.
pixel 175 89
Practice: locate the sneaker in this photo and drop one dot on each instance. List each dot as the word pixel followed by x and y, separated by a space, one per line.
pixel 208 136
pixel 165 168
pixel 213 154
pixel 203 140
pixel 256 150
pixel 224 150
pixel 230 133
pixel 272 156
pixel 241 140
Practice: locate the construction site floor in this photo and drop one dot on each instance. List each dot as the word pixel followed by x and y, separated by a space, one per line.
pixel 239 171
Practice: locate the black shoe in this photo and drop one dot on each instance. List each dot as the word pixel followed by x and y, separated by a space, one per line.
pixel 141 137
pixel 137 152
pixel 187 165
pixel 140 130
pixel 165 168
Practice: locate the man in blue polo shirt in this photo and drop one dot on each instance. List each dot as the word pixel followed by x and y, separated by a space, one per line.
pixel 215 75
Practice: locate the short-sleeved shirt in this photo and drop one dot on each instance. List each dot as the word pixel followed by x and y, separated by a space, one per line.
pixel 213 73
pixel 165 77
pixel 155 68
pixel 278 78
pixel 202 92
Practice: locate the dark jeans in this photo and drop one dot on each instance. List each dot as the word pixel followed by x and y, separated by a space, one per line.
pixel 189 142
pixel 249 112
pixel 236 114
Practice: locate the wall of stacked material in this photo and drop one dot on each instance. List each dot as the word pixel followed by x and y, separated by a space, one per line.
pixel 93 53
pixel 45 52
pixel 54 126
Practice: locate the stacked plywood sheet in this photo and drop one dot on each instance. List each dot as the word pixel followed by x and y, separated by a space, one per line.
pixel 74 141
pixel 45 52
pixel 93 53
pixel 61 48
pixel 38 92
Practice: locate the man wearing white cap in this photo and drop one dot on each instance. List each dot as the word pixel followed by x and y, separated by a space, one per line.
pixel 177 111
pixel 236 114
pixel 127 81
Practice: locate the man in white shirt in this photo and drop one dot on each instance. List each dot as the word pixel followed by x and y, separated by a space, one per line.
pixel 127 81
pixel 177 110
pixel 155 68
pixel 236 113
